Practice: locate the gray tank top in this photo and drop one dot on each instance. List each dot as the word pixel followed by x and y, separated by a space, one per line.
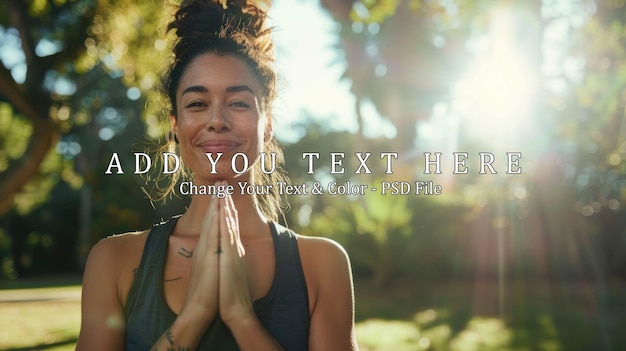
pixel 284 311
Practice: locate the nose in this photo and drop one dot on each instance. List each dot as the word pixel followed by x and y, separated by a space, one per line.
pixel 219 120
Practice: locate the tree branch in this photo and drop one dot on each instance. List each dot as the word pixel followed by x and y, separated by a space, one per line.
pixel 44 135
pixel 29 100
pixel 16 96
pixel 75 42
pixel 18 16
pixel 25 168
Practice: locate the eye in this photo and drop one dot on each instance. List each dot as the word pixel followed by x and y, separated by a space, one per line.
pixel 195 104
pixel 240 104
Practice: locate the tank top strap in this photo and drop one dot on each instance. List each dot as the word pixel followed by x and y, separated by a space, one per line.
pixel 156 243
pixel 150 270
pixel 284 311
pixel 289 267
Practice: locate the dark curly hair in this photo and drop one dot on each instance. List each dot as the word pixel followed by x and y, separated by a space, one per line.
pixel 233 27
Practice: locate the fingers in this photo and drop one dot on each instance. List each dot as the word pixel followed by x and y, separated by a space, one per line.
pixel 233 216
pixel 209 234
pixel 210 216
pixel 234 294
pixel 229 226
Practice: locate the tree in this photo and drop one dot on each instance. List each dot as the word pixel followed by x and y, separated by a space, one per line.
pixel 73 82
pixel 50 45
pixel 50 37
pixel 404 56
pixel 577 188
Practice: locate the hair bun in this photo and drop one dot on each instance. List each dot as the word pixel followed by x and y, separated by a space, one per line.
pixel 207 20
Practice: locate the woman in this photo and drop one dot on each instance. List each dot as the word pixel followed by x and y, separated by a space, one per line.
pixel 224 275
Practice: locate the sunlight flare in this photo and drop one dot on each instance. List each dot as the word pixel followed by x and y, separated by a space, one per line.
pixel 494 99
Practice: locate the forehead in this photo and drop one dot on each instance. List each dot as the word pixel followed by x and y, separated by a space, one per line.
pixel 215 71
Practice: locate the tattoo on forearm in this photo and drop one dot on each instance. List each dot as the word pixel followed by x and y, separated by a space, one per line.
pixel 185 253
pixel 170 339
pixel 169 336
pixel 172 279
pixel 219 250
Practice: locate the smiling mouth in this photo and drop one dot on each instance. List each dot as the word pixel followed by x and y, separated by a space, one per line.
pixel 214 146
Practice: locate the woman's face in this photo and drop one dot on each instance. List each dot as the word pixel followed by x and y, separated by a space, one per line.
pixel 219 110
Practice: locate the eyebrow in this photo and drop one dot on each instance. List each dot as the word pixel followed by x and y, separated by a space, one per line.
pixel 194 89
pixel 238 88
pixel 231 89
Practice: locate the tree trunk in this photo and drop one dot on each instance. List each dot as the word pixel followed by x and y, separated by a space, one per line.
pixel 44 136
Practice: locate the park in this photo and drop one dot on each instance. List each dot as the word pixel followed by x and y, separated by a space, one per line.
pixel 468 156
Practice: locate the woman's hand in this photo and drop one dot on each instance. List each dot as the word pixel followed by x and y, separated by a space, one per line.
pixel 201 303
pixel 235 303
pixel 202 294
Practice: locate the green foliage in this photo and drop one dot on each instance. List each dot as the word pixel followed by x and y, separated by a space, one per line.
pixel 422 46
pixel 406 56
pixel 7 267
pixel 14 135
pixel 376 334
pixel 129 38
pixel 386 236
pixel 598 119
pixel 379 214
pixel 107 49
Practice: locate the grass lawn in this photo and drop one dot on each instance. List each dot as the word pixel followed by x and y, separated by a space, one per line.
pixel 485 316
pixel 454 316
pixel 33 317
pixel 39 325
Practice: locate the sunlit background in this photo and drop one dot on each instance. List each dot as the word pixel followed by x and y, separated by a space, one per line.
pixel 529 261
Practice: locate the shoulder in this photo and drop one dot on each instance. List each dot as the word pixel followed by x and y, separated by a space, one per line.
pixel 325 264
pixel 113 246
pixel 315 250
pixel 331 293
pixel 102 314
pixel 114 259
pixel 323 249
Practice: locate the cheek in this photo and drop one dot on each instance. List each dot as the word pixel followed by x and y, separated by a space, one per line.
pixel 187 126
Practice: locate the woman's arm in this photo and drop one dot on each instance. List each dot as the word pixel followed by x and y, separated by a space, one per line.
pixel 218 269
pixel 184 334
pixel 102 315
pixel 200 306
pixel 235 303
pixel 332 318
